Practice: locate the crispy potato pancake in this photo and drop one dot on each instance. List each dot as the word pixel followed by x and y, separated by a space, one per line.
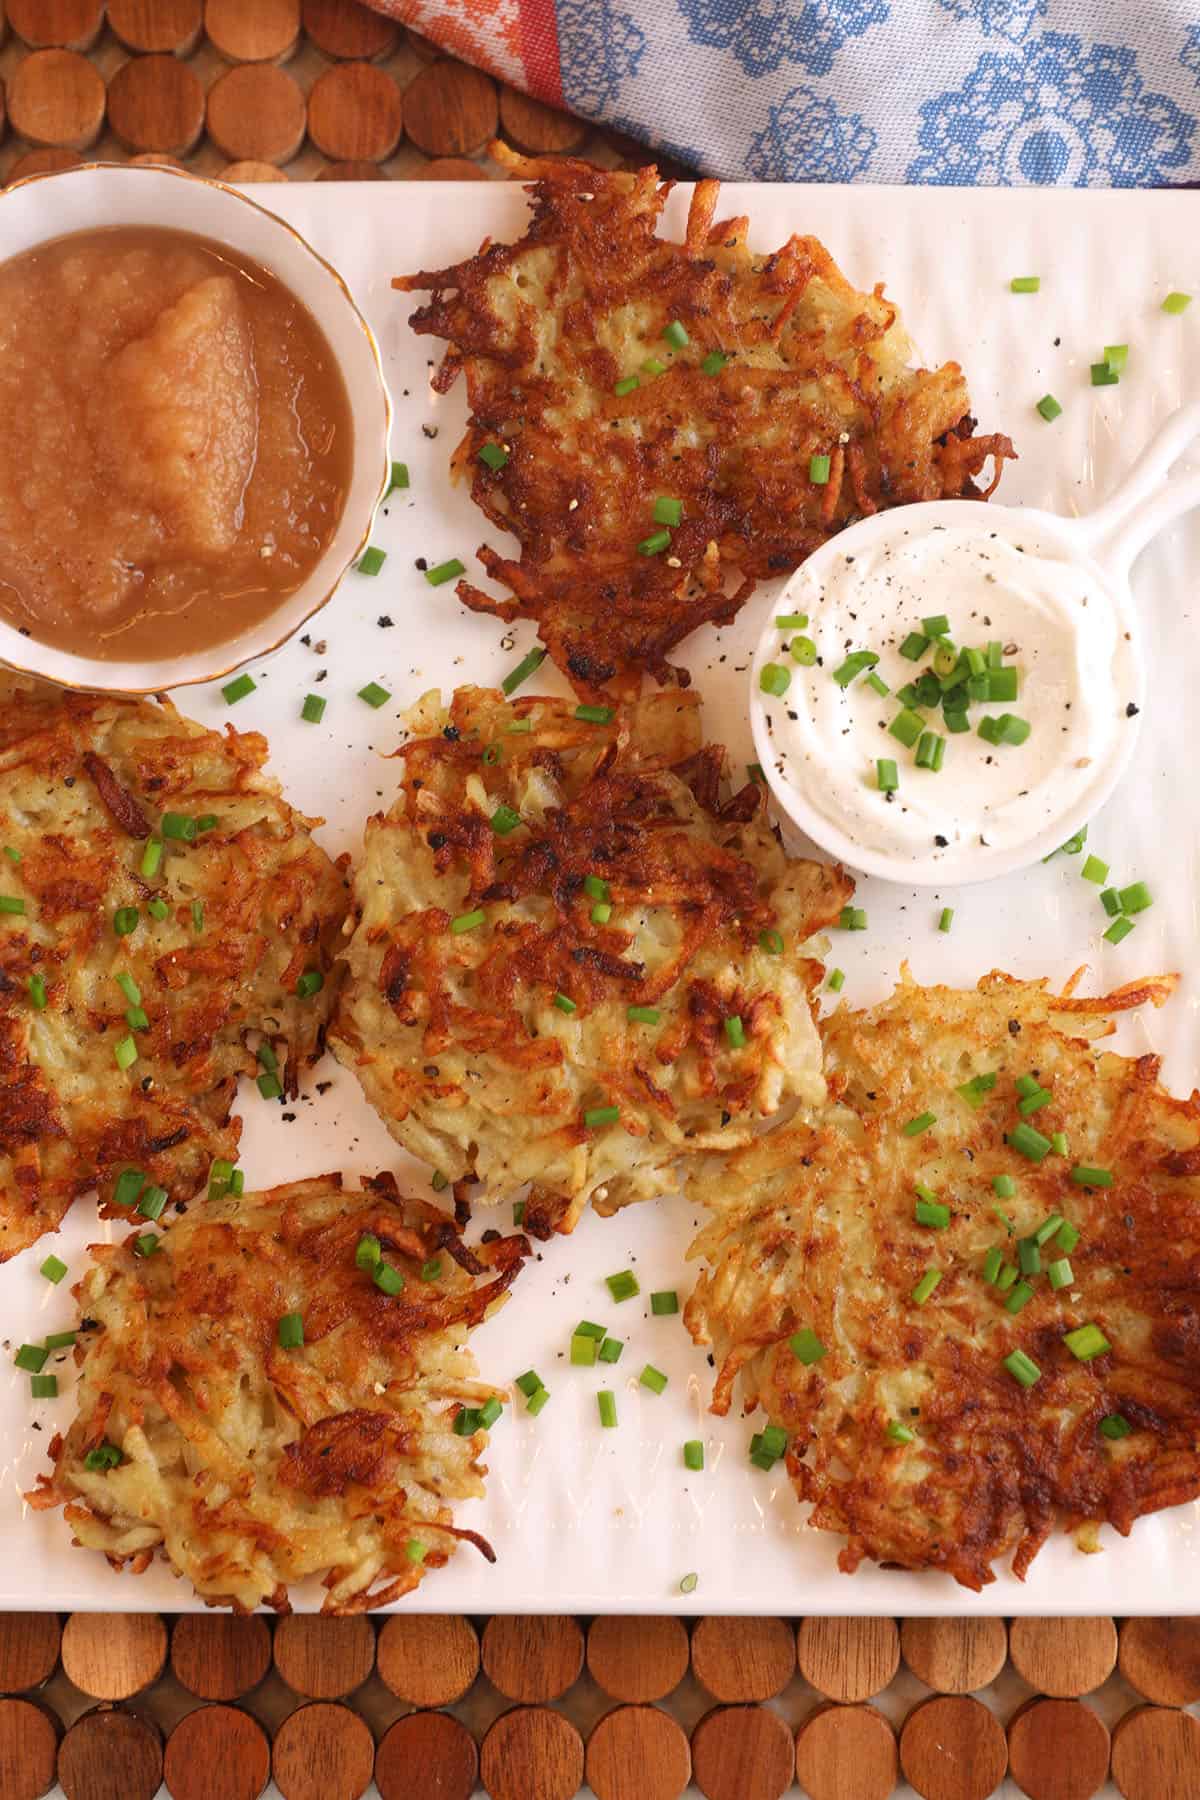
pixel 249 1465
pixel 561 337
pixel 814 1230
pixel 538 877
pixel 249 906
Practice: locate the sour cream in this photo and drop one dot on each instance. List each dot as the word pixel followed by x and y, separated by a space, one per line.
pixel 998 576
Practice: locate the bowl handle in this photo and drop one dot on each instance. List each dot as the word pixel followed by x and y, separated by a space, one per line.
pixel 1149 499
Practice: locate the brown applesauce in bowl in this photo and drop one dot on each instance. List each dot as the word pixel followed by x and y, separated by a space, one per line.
pixel 175 443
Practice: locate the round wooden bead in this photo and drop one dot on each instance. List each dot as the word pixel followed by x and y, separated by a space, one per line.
pixel 246 172
pixel 150 27
pixel 345 31
pixel 110 1755
pixel 217 1753
pixel 1161 1659
pixel 954 1656
pixel 428 1659
pixel 256 113
pixel 1063 1657
pixel 156 103
pixel 323 1752
pixel 638 1753
pixel 351 171
pixel 848 1659
pixel 451 109
pixel 532 1753
pixel 267 32
pixel 426 1754
pixel 111 1656
pixel 324 1658
pixel 540 129
pixel 846 1753
pixel 953 1748
pixel 57 24
pixel 636 1658
pixel 29 1644
pixel 742 1753
pixel 156 159
pixel 1156 1754
pixel 448 168
pixel 1058 1750
pixel 355 113
pixel 28 1746
pixel 743 1659
pixel 219 1656
pixel 42 162
pixel 531 1658
pixel 56 97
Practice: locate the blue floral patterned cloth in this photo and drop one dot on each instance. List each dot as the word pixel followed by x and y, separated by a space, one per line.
pixel 953 92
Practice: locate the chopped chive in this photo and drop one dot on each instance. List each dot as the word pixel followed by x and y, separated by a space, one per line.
pixel 606 1403
pixel 932 1213
pixel 535 1403
pixel 61 1340
pixel 880 687
pixel 887 776
pixel 129 987
pixel 236 690
pixel 600 1115
pixel 531 661
pixel 653 1378
pixel 946 919
pixel 103 1456
pixel 152 857
pixel 399 478
pixel 1004 1186
pixel 974 1090
pixel 505 820
pixel 836 981
pixel 589 1328
pixel 157 908
pixel 43 1387
pixel 1176 303
pixel 1086 1343
pixel 1048 1228
pixel 642 1015
pixel 519 725
pixel 1116 356
pixel 652 366
pixel 518 1212
pixel 771 942
pixel 31 1358
pixel 179 826
pixel 818 470
pixel 1059 1273
pixel 1027 1084
pixel 594 715
pixel 655 544
pixel 1022 1368
pixel 1025 284
pixel 1114 1427
pixel 269 1086
pixel 625 386
pixel 125 1053
pixel 898 1433
pixel 368 1252
pixel 855 663
pixel 237 1183
pixel 596 887
pixel 53 1269
pixel 494 455
pixel 693 1454
pixel 1002 684
pixel 921 1123
pixel 735 1033
pixel 197 910
pixel 775 679
pixel 1083 1175
pixel 791 621
pixel 1135 898
pixel 491 755
pixel 125 919
pixel 1068 1237
pixel 128 1186
pixel 1120 928
pixel 152 1203
pixel 1034 1103
pixel 1110 900
pixel 373 694
pixel 664 1303
pixel 1095 870
pixel 993 1262
pixel 713 363
pixel 907 726
pixel 931 751
pixel 583 1351
pixel 623 1286
pixel 37 993
pixel 466 1422
pixel 371 560
pixel 1103 376
pixel 415 1550
pixel 565 1004
pixel 610 1350
pixel 914 646
pixel 676 335
pixel 387 1278
pixel 489 1412
pixel 1007 1276
pixel 529 1383
pixel 1028 1142
pixel 445 572
pixel 14 856
pixel 291 1331
pixel 601 912
pixel 1058 1143
pixel 1029 1256
pixel 431 1270
pixel 467 921
pixel 667 511
pixel 925 1286
pixel 852 918
pixel 806 1347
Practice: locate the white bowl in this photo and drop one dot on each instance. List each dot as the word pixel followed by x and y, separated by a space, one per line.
pixel 51 206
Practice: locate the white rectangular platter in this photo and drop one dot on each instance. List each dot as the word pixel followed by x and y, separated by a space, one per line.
pixel 585 1520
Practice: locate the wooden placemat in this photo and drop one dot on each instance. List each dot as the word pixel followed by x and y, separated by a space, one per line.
pixel 259 90
pixel 440 1708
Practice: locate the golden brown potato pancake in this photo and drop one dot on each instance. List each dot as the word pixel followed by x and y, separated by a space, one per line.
pixel 573 961
pixel 608 368
pixel 905 1429
pixel 229 926
pixel 250 1465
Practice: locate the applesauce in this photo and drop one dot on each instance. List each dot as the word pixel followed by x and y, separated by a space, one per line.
pixel 175 443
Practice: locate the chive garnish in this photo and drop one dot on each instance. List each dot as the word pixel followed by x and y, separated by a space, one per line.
pixel 676 335
pixel 664 1303
pixel 606 1402
pixel 530 662
pixel 467 921
pixel 291 1331
pixel 1029 1142
pixel 623 1286
pixel 37 993
pixel 594 715
pixel 806 1347
pixel 1084 1175
pixel 1049 408
pixel 818 470
pixel 642 1015
pixel 925 1286
pixel 775 679
pixel 1086 1343
pixel 1022 1368
pixel 565 1004
pixel 921 1123
pixel 625 386
pixel 373 694
pixel 693 1455
pixel 371 560
pixel 54 1268
pixel 596 1116
pixel 494 455
pixel 653 1378
pixel 655 544
pixel 667 511
pixel 1025 284
pixel 610 1350
pixel 444 572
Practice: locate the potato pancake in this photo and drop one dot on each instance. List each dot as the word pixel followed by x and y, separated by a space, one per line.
pixel 159 901
pixel 963 1326
pixel 281 1388
pixel 573 962
pixel 661 425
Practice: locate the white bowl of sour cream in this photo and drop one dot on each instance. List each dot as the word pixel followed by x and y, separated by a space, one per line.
pixel 966 687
